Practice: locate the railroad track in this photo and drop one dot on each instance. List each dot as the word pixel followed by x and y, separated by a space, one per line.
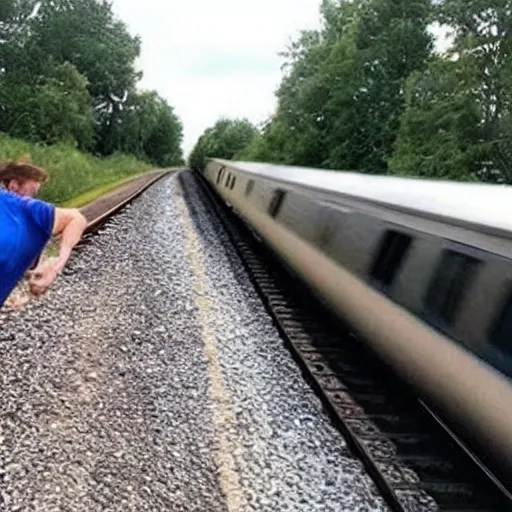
pixel 102 210
pixel 415 463
pixel 98 212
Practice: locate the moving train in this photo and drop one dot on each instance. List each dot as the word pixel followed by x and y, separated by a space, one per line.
pixel 422 270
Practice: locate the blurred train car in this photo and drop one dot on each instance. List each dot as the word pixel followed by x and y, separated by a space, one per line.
pixel 422 270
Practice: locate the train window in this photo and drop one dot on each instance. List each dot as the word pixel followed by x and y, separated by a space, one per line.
pixel 228 179
pixel 249 187
pixel 276 203
pixel 390 256
pixel 453 275
pixel 219 175
pixel 501 335
pixel 233 182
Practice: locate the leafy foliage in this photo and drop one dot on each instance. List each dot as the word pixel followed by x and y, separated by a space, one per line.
pixel 439 132
pixel 340 102
pixel 71 172
pixel 67 73
pixel 463 104
pixel 85 33
pixel 148 127
pixel 367 92
pixel 224 140
pixel 56 109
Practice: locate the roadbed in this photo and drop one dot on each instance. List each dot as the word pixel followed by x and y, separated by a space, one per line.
pixel 107 202
pixel 97 209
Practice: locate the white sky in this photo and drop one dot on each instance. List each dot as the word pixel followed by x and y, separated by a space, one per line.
pixel 213 58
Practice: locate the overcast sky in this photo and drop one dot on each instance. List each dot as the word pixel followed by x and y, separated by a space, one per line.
pixel 215 58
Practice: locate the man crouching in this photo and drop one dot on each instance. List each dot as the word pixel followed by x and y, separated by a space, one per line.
pixel 26 226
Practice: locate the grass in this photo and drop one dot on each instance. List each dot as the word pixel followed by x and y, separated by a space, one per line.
pixel 75 178
pixel 95 193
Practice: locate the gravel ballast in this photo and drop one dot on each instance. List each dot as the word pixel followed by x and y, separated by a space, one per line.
pixel 151 378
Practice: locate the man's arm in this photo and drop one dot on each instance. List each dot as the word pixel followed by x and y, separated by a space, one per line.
pixel 70 224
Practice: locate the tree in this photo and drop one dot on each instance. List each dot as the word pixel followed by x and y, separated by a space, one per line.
pixel 149 128
pixel 265 147
pixel 340 102
pixel 84 33
pixel 303 95
pixel 14 15
pixel 15 19
pixel 224 140
pixel 163 146
pixel 58 108
pixel 440 129
pixel 468 111
pixel 62 109
pixel 391 41
pixel 482 33
pixel 67 73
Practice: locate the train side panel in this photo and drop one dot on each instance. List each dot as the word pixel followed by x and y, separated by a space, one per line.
pixel 338 249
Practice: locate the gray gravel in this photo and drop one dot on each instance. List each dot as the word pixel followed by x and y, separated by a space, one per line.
pixel 150 378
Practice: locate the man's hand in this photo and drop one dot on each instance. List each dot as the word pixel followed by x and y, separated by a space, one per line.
pixel 40 279
pixel 70 224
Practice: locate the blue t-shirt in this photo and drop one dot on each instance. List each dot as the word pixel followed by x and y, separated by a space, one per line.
pixel 26 225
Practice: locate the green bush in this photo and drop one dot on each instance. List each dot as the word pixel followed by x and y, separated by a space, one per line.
pixel 71 172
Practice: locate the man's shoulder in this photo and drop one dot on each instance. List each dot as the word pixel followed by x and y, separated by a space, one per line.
pixel 37 211
pixel 23 201
pixel 9 199
pixel 5 195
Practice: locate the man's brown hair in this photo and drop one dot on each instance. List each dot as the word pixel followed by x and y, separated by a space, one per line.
pixel 21 171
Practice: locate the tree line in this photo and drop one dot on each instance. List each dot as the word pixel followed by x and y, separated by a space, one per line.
pixel 67 73
pixel 369 92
